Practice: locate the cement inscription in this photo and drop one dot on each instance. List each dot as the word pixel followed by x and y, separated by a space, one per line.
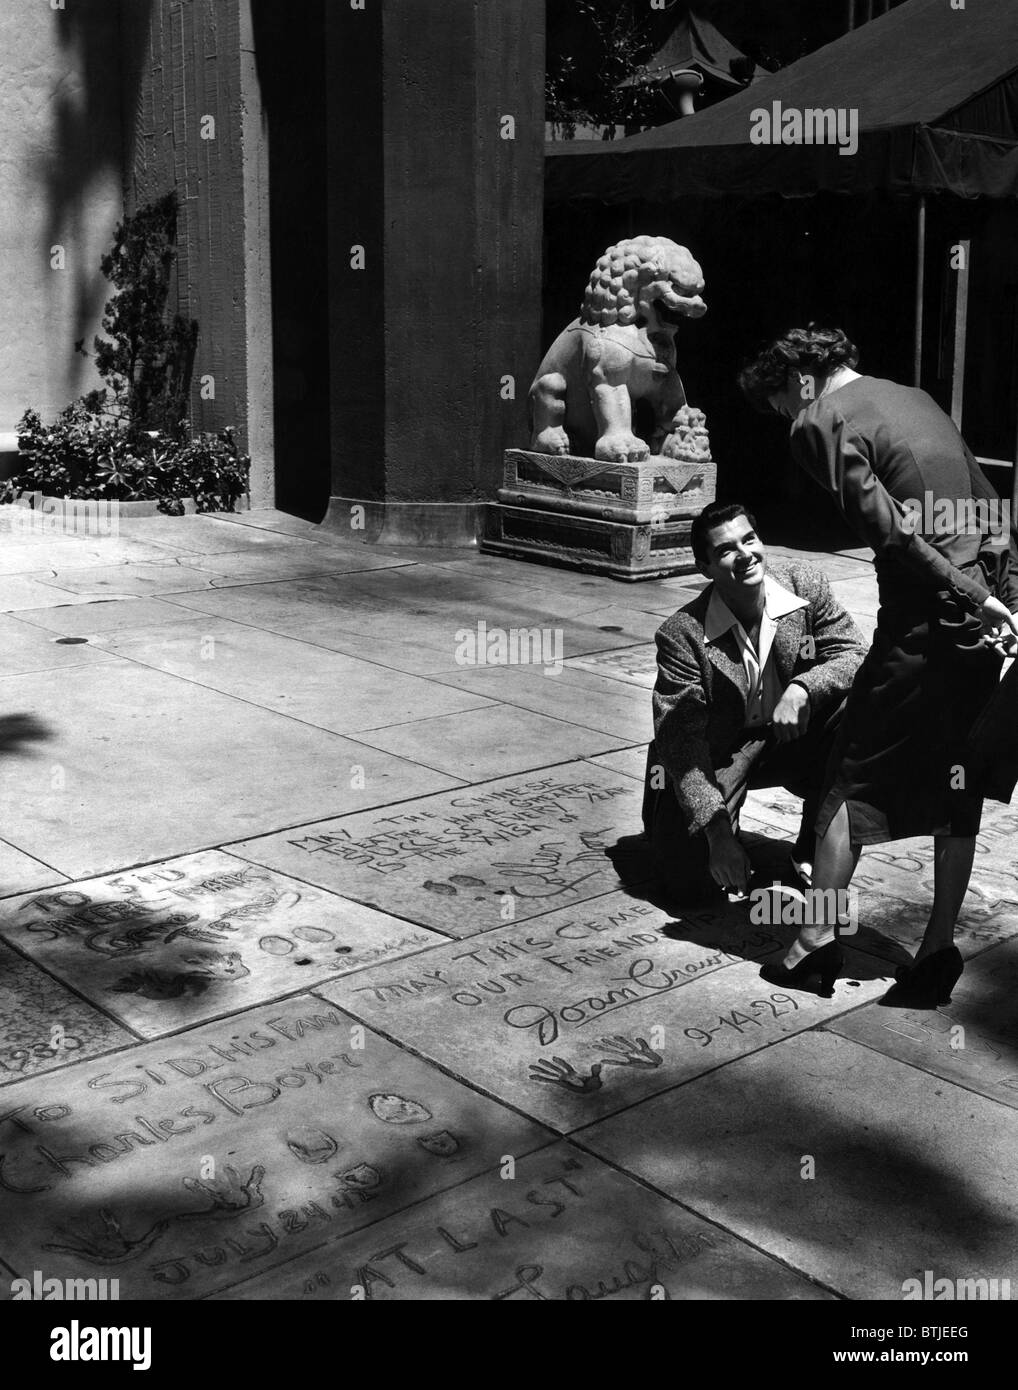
pixel 464 862
pixel 185 940
pixel 187 1162
pixel 43 1025
pixel 563 1227
pixel 588 1009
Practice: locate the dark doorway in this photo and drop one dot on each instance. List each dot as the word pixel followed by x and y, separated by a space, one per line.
pixel 770 264
pixel 290 49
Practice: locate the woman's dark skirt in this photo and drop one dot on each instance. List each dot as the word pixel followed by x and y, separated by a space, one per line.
pixel 899 760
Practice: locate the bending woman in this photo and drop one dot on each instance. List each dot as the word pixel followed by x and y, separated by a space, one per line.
pixel 891 459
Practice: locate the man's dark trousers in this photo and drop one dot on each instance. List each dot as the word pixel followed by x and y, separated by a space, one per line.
pixel 680 860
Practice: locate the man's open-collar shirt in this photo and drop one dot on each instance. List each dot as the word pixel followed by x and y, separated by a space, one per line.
pixel 764 685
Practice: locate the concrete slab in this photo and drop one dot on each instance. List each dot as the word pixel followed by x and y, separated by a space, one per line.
pixel 644 597
pixel 775 808
pixel 272 520
pixel 399 653
pixel 631 762
pixel 22 527
pixel 665 606
pixel 332 691
pixel 39 558
pixel 896 895
pixel 578 697
pixel 836 567
pixel 184 1165
pixel 19 872
pixel 19 593
pixel 386 609
pixel 857 594
pixel 630 665
pixel 972 1041
pixel 894 883
pixel 176 943
pixel 450 861
pixel 399 614
pixel 996 861
pixel 281 562
pixel 630 625
pixel 567 1227
pixel 24 647
pixel 588 1010
pixel 195 535
pixel 133 581
pixel 437 588
pixel 211 535
pixel 288 606
pixel 100 552
pixel 528 574
pixel 98 616
pixel 489 742
pixel 75 802
pixel 43 1025
pixel 910 1175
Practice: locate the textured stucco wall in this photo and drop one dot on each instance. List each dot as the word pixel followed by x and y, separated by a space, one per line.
pixel 196 60
pixel 60 185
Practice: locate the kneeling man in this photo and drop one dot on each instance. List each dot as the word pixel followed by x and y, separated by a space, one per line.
pixel 752 677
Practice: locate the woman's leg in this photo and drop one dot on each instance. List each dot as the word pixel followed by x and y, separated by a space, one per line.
pixel 833 867
pixel 952 868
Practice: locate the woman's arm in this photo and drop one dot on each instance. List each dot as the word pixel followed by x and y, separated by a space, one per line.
pixel 837 456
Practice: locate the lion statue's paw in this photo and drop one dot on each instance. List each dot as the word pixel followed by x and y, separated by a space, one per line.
pixel 553 440
pixel 621 447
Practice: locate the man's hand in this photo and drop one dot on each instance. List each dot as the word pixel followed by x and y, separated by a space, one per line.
pixel 1000 628
pixel 728 862
pixel 791 714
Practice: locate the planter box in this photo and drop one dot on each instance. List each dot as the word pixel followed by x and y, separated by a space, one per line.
pixel 35 512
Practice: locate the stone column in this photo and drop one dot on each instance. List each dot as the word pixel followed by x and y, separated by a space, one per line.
pixel 195 123
pixel 434 340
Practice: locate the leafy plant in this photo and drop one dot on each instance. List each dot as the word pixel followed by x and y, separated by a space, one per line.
pixel 614 38
pixel 83 455
pixel 147 367
pixel 129 441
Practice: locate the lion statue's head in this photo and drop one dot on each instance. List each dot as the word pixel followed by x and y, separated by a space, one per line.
pixel 645 277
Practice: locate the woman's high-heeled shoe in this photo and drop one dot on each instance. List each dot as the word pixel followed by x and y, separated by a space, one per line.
pixel 824 965
pixel 927 984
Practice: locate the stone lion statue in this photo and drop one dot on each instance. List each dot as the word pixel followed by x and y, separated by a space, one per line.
pixel 621 349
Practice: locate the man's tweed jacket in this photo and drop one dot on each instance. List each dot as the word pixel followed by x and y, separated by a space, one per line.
pixel 702 688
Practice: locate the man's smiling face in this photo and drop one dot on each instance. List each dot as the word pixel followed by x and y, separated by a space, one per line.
pixel 737 561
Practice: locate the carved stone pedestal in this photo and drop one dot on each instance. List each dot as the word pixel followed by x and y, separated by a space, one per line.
pixel 627 520
pixel 646 550
pixel 655 490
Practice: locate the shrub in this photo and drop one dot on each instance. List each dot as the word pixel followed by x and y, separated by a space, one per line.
pixel 147 367
pixel 129 440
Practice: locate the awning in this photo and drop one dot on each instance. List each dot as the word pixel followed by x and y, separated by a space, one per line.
pixel 693 43
pixel 931 93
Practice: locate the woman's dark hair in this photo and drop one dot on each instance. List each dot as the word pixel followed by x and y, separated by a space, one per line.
pixel 813 351
pixel 713 515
